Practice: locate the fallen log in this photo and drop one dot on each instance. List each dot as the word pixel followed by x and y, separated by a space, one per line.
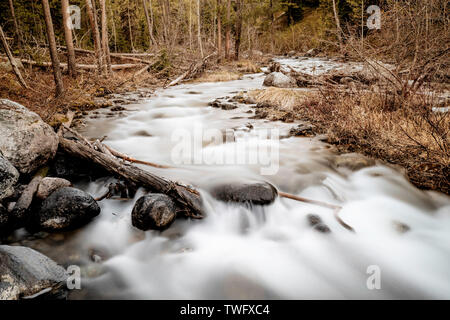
pixel 187 198
pixel 191 71
pixel 80 66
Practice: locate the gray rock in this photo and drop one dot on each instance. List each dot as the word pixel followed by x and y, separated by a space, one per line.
pixel 66 208
pixel 311 53
pixel 316 222
pixel 353 161
pixel 153 211
pixel 25 140
pixel 26 273
pixel 49 185
pixel 280 80
pixel 260 193
pixel 8 178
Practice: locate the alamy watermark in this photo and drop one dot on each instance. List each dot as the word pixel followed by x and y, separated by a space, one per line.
pixel 229 147
pixel 374 20
pixel 374 280
pixel 75 17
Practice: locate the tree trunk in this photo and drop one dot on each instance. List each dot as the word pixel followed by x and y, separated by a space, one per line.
pixel 95 34
pixel 199 33
pixel 149 24
pixel 16 25
pixel 238 28
pixel 12 60
pixel 228 31
pixel 219 29
pixel 338 24
pixel 105 39
pixel 190 25
pixel 53 53
pixel 67 22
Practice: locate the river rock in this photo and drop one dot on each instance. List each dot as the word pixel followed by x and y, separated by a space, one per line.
pixel 260 193
pixel 311 53
pixel 153 211
pixel 48 185
pixel 25 140
pixel 280 80
pixel 316 222
pixel 353 161
pixel 66 208
pixel 8 177
pixel 26 273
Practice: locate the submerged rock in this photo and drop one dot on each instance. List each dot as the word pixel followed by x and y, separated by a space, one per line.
pixel 8 177
pixel 280 80
pixel 316 222
pixel 26 273
pixel 66 208
pixel 25 140
pixel 48 185
pixel 153 211
pixel 260 193
pixel 353 161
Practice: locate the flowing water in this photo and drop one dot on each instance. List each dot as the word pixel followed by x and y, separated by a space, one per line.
pixel 401 234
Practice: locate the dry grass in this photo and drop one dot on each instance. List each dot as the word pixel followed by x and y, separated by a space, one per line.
pixel 283 99
pixel 405 133
pixel 218 76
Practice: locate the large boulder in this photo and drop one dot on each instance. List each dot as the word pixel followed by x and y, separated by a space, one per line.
pixel 280 80
pixel 8 177
pixel 66 209
pixel 26 273
pixel 153 211
pixel 25 140
pixel 48 185
pixel 259 193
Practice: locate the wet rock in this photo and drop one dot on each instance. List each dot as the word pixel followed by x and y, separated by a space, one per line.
pixel 8 178
pixel 260 193
pixel 302 130
pixel 291 53
pixel 353 161
pixel 401 227
pixel 311 53
pixel 25 140
pixel 26 273
pixel 153 211
pixel 48 185
pixel 316 222
pixel 66 208
pixel 73 169
pixel 222 105
pixel 280 80
pixel 275 67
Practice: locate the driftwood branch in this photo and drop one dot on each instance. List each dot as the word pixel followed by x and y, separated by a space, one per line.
pixel 193 70
pixel 80 66
pixel 336 209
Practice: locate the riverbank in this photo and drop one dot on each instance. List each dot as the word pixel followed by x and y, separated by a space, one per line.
pixel 407 134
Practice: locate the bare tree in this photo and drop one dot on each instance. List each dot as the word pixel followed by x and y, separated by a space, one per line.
pixel 67 22
pixel 95 34
pixel 199 33
pixel 105 39
pixel 12 60
pixel 228 31
pixel 53 53
pixel 338 24
pixel 16 25
pixel 149 23
pixel 219 29
pixel 238 28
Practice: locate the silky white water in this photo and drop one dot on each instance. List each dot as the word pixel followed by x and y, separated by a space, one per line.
pixel 266 252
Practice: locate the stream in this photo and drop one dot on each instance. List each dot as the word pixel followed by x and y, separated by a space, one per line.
pixel 402 234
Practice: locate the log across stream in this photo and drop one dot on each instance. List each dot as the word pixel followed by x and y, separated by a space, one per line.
pixel 287 249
